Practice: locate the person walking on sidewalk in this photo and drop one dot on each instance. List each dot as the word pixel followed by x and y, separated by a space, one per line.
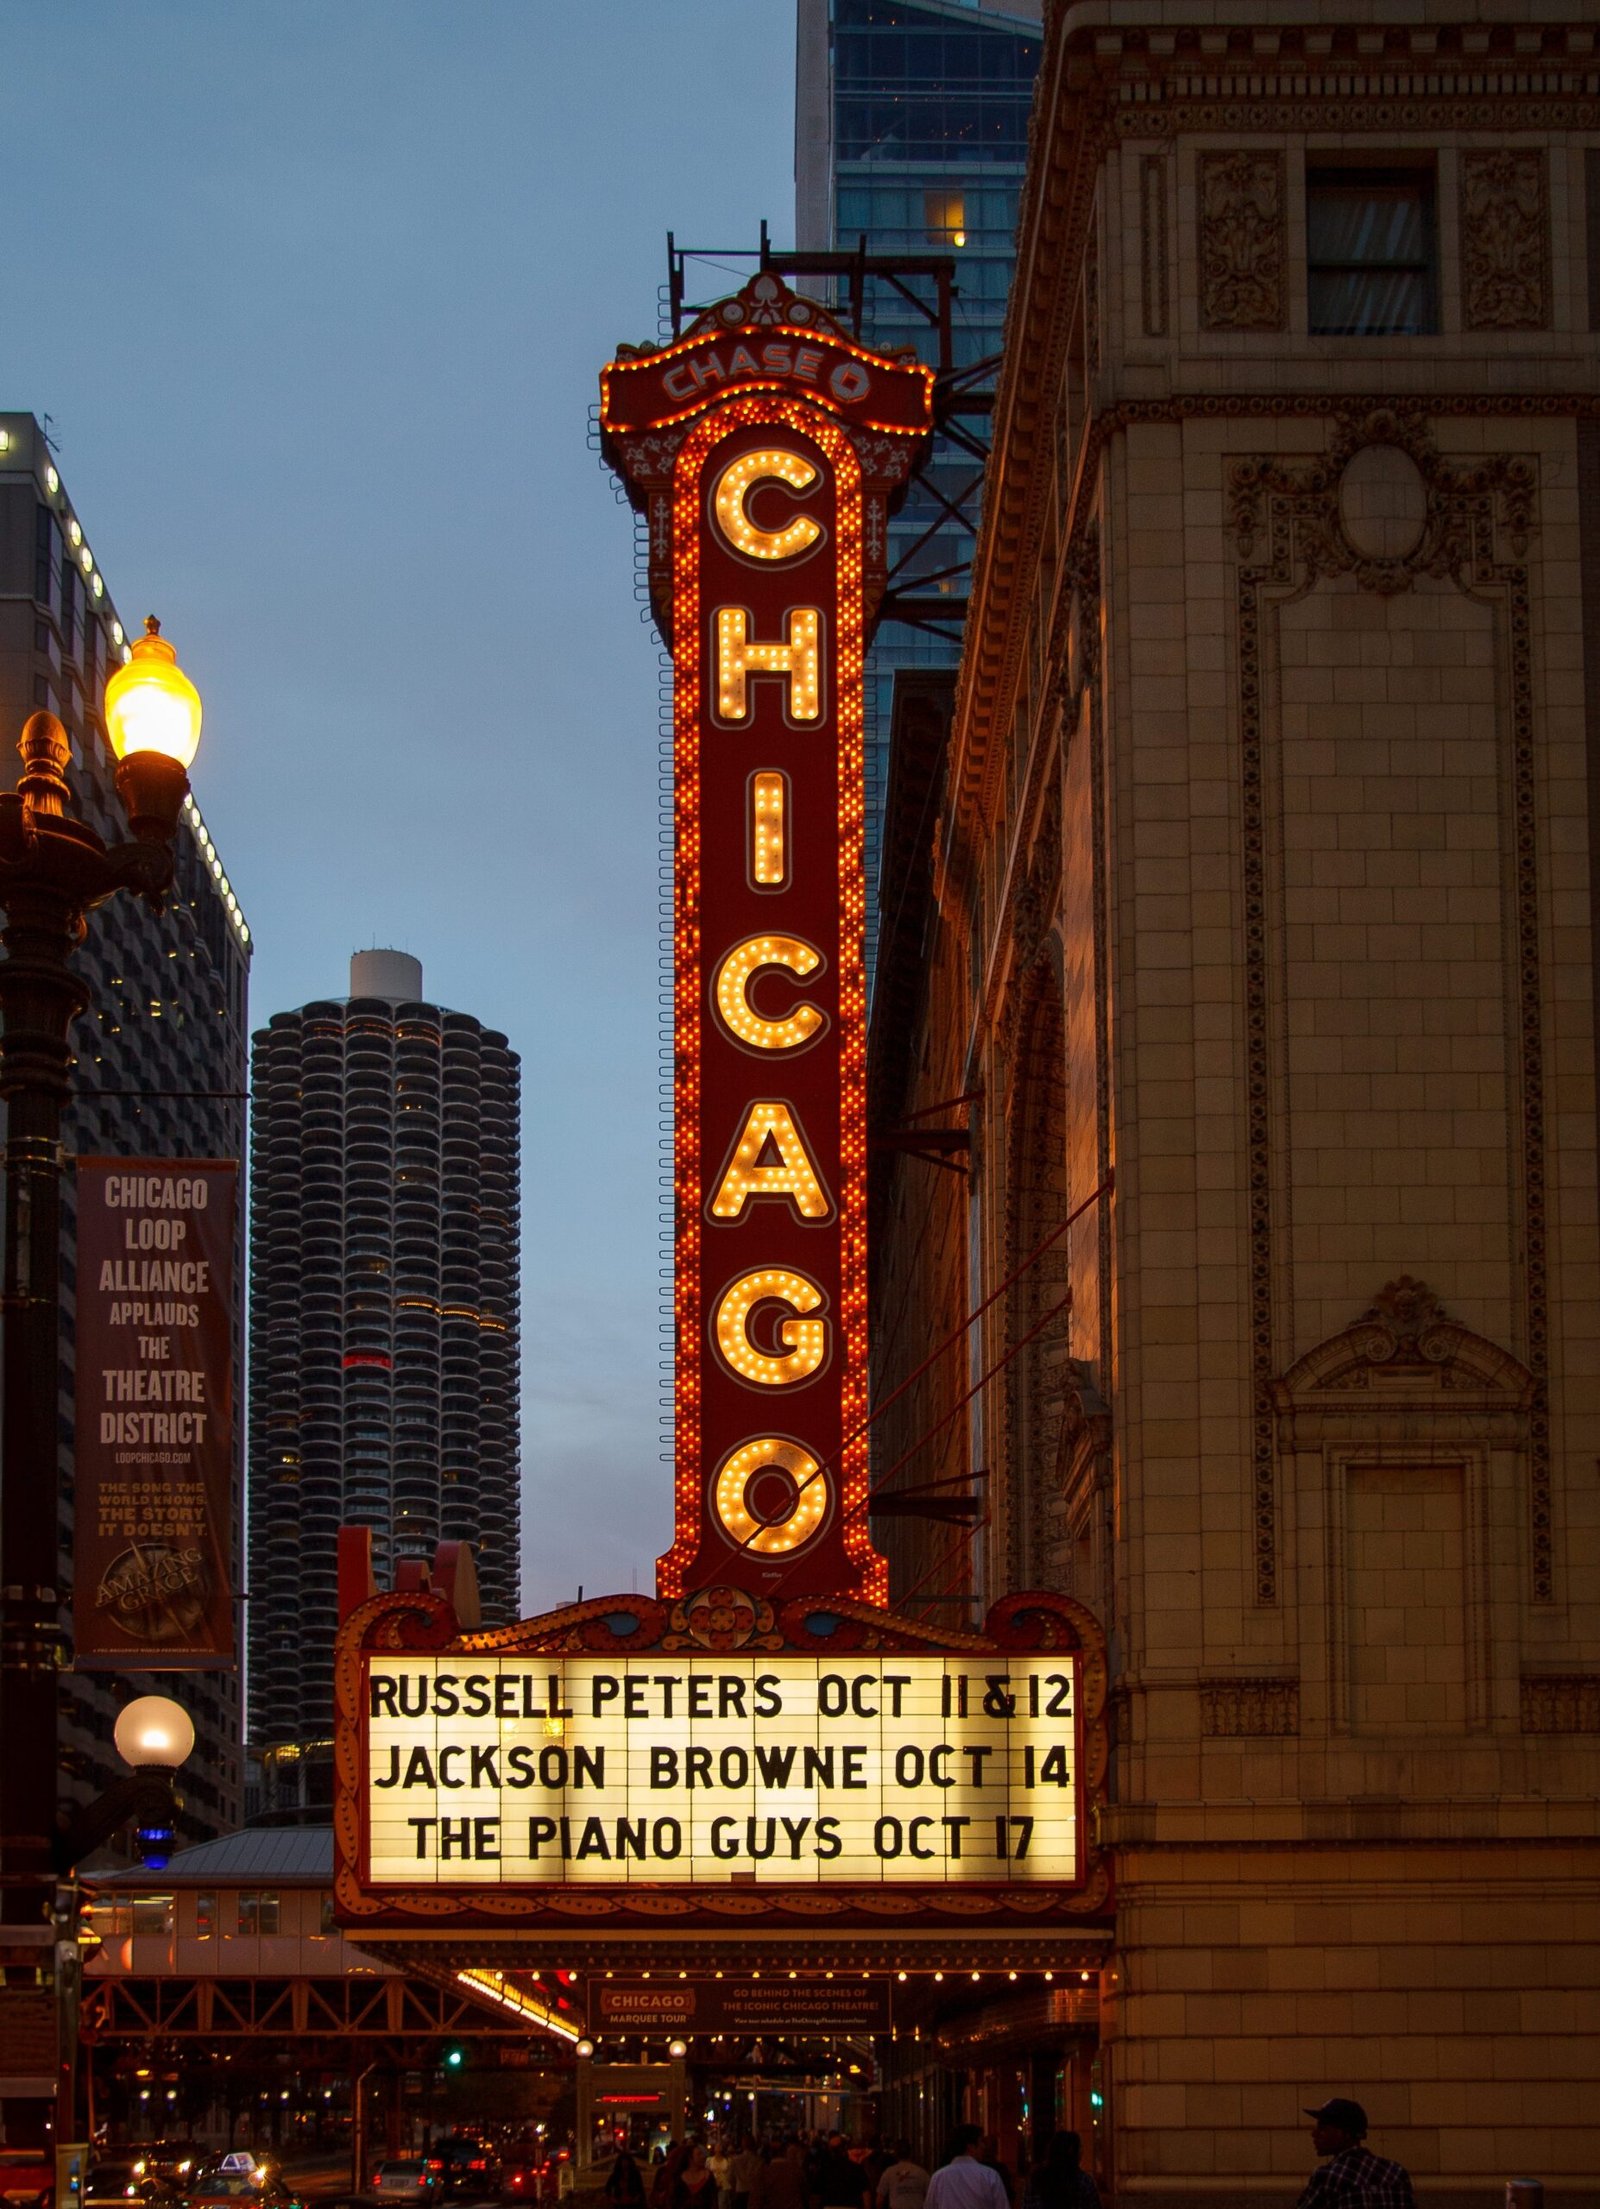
pixel 1352 2177
pixel 963 2180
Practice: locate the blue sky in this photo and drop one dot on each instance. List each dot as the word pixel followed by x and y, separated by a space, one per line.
pixel 316 293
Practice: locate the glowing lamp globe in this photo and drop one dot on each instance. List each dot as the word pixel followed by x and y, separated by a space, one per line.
pixel 151 705
pixel 154 1732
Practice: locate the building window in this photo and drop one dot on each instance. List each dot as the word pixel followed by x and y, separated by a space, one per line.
pixel 1370 249
pixel 945 215
pixel 327 1922
pixel 205 1916
pixel 258 1912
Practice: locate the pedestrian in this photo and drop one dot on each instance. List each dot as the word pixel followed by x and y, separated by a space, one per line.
pixel 695 2187
pixel 1352 2177
pixel 990 2152
pixel 840 2175
pixel 720 2163
pixel 746 2167
pixel 624 2188
pixel 904 2184
pixel 780 2181
pixel 664 2185
pixel 963 2180
pixel 1060 2182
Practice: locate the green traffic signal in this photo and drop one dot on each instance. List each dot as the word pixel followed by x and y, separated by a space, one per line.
pixel 454 2058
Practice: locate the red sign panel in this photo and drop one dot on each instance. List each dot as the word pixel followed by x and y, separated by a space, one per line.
pixel 766 449
pixel 153 1538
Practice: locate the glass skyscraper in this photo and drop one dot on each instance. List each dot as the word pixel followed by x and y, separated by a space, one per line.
pixel 911 131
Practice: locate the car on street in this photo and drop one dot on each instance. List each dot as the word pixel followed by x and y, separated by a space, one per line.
pixel 27 2179
pixel 407 2178
pixel 114 2185
pixel 469 2166
pixel 172 2161
pixel 260 2188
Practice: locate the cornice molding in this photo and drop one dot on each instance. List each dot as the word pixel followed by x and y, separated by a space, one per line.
pixel 1152 79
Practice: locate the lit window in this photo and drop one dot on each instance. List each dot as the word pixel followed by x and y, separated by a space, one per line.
pixel 258 1911
pixel 1370 252
pixel 945 214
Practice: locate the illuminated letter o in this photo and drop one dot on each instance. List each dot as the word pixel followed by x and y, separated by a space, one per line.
pixel 849 381
pixel 769 1537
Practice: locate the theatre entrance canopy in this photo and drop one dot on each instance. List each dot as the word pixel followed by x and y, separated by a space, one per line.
pixel 701 1780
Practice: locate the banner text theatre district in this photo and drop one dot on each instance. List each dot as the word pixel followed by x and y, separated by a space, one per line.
pixel 153 1580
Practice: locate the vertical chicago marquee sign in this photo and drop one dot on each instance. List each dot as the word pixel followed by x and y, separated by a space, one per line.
pixel 765 449
pixel 764 1740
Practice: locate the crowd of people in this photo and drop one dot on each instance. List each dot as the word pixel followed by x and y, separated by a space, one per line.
pixel 826 2172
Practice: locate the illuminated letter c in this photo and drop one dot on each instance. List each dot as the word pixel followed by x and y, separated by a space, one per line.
pixel 737 971
pixel 734 485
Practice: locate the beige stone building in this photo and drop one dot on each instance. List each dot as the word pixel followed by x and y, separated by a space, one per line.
pixel 1246 894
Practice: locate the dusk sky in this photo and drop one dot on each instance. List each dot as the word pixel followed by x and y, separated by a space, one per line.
pixel 315 293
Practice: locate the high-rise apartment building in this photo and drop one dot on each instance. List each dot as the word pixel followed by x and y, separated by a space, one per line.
pixel 911 134
pixel 383 1327
pixel 161 1050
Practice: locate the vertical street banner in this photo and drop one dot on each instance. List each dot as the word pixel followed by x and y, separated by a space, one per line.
pixel 765 449
pixel 153 1532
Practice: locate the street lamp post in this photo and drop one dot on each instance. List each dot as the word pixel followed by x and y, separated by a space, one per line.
pixel 54 870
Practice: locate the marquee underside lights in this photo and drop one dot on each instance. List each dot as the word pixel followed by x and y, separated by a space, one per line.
pixel 766 450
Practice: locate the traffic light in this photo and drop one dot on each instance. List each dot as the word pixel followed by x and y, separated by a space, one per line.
pixel 455 2057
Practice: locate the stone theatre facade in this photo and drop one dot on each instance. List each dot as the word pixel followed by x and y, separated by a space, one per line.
pixel 1243 895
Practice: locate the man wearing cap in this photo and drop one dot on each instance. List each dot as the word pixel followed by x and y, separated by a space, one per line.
pixel 1352 2177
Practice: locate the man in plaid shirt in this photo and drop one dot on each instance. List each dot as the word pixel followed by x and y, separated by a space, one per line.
pixel 1352 2177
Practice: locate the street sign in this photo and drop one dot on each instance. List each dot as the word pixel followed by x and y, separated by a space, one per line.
pixel 739 2005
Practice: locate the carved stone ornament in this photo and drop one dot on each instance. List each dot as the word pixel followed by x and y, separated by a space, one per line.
pixel 1505 241
pixel 1405 1336
pixel 1242 243
pixel 1384 505
pixel 1561 1702
pixel 1230 1708
pixel 1411 512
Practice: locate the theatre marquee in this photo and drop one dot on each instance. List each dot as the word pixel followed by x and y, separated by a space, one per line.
pixel 717 1758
